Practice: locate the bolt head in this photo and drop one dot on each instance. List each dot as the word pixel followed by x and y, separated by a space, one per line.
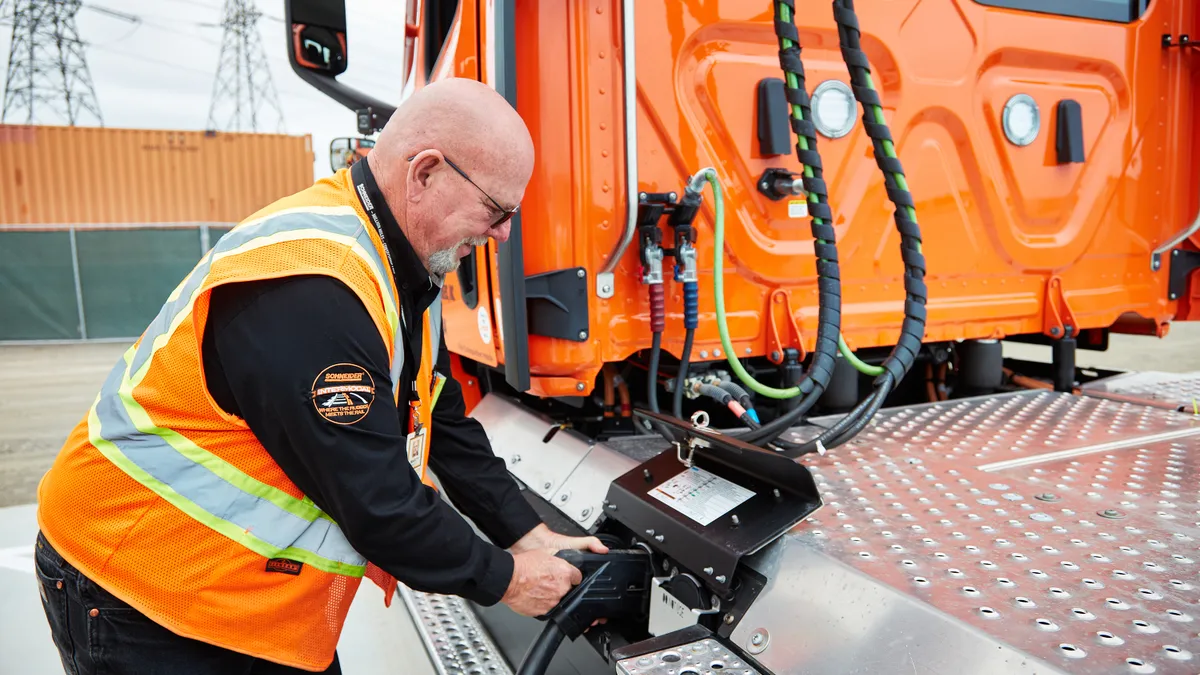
pixel 579 386
pixel 546 485
pixel 580 273
pixel 606 288
pixel 1055 330
pixel 757 639
pixel 749 351
pixel 729 619
pixel 720 578
pixel 659 538
pixel 564 497
pixel 516 459
pixel 774 356
pixel 583 335
pixel 585 513
pixel 704 353
pixel 708 571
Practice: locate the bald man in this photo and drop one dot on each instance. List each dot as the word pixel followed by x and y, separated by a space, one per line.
pixel 179 524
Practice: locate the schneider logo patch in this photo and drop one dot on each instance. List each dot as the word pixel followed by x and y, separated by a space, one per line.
pixel 343 393
pixel 284 566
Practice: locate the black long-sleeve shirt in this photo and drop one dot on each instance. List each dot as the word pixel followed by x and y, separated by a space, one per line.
pixel 266 342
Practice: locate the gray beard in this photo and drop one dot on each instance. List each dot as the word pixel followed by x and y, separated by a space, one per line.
pixel 446 260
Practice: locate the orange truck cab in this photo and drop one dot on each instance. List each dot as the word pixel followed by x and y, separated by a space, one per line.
pixel 750 322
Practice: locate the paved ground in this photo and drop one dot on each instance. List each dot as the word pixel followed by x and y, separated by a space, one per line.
pixel 44 392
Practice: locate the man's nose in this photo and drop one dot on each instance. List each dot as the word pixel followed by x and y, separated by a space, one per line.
pixel 500 232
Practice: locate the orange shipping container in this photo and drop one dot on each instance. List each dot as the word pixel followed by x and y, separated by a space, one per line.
pixel 64 176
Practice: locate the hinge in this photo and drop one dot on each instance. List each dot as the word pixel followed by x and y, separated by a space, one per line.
pixel 780 314
pixel 1057 319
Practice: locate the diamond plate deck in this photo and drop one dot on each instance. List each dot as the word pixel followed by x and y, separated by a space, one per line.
pixel 994 429
pixel 456 642
pixel 922 561
pixel 1177 391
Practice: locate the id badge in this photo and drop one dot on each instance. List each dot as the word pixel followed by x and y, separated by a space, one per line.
pixel 416 449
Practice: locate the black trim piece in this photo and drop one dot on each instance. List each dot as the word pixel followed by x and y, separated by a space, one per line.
pixel 511 256
pixel 774 137
pixel 1183 263
pixel 1123 11
pixel 1068 141
pixel 557 304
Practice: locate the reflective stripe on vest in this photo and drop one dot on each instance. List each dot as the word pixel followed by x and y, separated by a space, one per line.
pixel 435 328
pixel 263 518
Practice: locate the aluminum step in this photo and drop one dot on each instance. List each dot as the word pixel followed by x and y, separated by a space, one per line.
pixel 456 642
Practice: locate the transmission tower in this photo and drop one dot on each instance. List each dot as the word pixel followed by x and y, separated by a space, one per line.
pixel 47 72
pixel 243 87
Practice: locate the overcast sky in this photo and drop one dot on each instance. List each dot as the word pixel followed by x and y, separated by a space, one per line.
pixel 159 73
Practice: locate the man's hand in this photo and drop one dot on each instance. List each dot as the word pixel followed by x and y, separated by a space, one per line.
pixel 539 582
pixel 542 537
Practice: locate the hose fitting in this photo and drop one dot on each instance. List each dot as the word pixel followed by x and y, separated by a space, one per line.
pixel 658 308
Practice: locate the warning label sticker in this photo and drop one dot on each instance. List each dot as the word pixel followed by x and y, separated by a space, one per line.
pixel 797 208
pixel 700 495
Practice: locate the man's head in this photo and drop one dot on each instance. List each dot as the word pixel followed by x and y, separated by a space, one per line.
pixel 453 161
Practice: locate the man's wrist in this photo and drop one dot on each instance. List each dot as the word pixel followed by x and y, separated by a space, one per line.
pixel 496 580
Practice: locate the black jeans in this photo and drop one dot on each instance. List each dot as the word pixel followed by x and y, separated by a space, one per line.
pixel 96 633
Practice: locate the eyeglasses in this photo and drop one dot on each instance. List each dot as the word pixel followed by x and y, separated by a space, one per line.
pixel 505 213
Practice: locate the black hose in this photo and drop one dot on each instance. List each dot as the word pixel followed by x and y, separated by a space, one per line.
pixel 829 285
pixel 768 433
pixel 677 402
pixel 716 393
pixel 912 330
pixel 652 376
pixel 852 422
pixel 742 396
pixel 829 299
pixel 541 652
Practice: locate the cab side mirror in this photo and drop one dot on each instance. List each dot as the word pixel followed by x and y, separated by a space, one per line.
pixel 344 152
pixel 319 35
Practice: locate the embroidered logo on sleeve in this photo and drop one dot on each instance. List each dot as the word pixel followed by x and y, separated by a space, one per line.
pixel 343 393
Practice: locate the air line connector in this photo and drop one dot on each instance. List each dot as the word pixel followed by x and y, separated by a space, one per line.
pixel 686 270
pixel 651 251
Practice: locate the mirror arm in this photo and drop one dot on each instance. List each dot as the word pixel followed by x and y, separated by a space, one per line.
pixel 371 112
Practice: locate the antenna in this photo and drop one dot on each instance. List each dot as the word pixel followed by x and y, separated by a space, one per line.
pixel 243 87
pixel 48 77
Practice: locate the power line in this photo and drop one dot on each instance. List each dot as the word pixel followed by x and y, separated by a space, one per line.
pixel 243 87
pixel 47 72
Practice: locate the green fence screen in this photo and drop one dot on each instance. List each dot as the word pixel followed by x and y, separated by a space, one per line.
pixel 37 287
pixel 124 276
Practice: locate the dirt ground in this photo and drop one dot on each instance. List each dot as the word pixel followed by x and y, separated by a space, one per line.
pixel 45 390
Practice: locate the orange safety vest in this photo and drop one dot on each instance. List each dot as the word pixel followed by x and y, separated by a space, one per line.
pixel 172 505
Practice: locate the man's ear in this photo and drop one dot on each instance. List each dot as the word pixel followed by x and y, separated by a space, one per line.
pixel 421 174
